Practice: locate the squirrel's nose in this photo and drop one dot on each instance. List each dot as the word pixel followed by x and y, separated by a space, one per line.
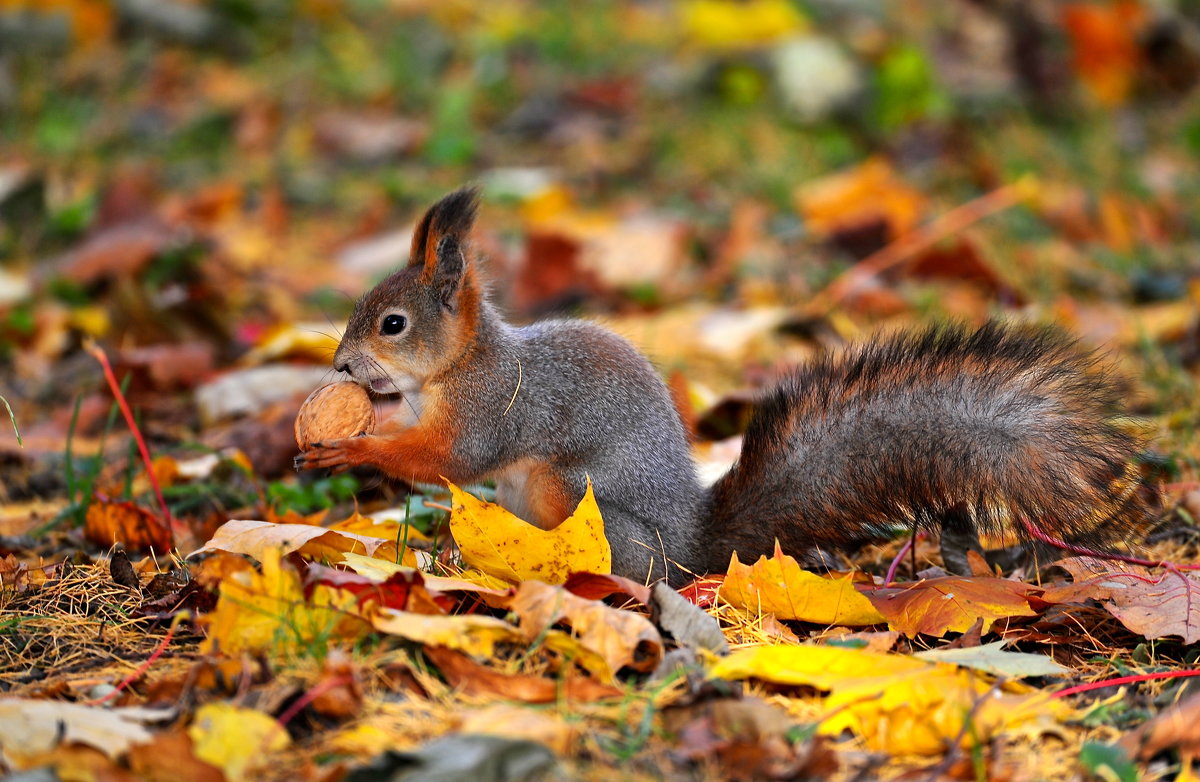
pixel 342 367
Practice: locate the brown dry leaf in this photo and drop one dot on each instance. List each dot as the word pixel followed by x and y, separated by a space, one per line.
pixel 951 604
pixel 1155 605
pixel 212 570
pixel 341 695
pixel 1175 727
pixel 597 586
pixel 14 574
pixel 780 586
pixel 257 538
pixel 170 757
pixel 120 251
pixel 751 739
pixel 109 523
pixel 621 638
pixel 516 722
pixel 169 366
pixel 853 199
pixel 472 678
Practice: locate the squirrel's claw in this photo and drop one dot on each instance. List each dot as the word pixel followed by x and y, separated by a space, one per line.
pixel 329 453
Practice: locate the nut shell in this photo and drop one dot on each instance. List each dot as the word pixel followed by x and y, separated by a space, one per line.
pixel 333 412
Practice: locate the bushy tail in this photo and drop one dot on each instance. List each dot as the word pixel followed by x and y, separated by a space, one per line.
pixel 966 430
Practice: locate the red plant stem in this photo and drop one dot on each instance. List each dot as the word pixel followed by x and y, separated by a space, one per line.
pixel 891 572
pixel 131 678
pixel 317 690
pixel 1141 677
pixel 100 356
pixel 1038 534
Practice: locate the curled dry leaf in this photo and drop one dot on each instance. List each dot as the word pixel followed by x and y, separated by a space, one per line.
pixel 622 638
pixel 334 412
pixel 258 538
pixel 109 523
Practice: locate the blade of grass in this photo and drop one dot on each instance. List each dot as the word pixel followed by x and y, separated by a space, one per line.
pixel 12 417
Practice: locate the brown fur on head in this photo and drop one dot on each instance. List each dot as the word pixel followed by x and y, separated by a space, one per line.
pixel 420 320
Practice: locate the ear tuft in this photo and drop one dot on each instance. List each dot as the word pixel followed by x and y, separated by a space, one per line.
pixel 450 218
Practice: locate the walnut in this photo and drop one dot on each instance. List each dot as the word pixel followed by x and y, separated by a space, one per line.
pixel 333 412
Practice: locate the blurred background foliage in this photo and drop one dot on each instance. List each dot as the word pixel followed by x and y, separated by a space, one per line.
pixel 199 182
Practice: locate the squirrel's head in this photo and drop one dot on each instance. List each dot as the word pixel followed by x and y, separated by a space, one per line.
pixel 419 320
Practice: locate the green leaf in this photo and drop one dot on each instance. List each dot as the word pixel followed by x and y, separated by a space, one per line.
pixel 1107 761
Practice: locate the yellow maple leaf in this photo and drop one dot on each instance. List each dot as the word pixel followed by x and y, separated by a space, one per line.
pixel 780 586
pixel 267 611
pixel 232 738
pixel 502 545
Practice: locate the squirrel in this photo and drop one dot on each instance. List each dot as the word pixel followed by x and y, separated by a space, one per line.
pixel 966 431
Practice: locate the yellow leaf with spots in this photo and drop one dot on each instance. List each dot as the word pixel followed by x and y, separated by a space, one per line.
pixel 234 739
pixel 474 634
pixel 780 586
pixel 502 545
pixel 268 612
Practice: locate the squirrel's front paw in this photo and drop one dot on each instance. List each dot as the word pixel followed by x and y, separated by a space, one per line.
pixel 337 455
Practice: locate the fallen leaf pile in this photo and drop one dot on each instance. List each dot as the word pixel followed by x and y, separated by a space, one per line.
pixel 194 193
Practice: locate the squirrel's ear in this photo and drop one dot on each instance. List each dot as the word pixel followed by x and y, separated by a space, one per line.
pixel 452 217
pixel 440 238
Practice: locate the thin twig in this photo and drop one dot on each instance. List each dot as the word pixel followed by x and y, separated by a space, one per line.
pixel 904 248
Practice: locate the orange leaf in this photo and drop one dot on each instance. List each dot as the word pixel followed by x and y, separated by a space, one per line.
pixel 951 604
pixel 1104 44
pixel 108 523
pixel 865 194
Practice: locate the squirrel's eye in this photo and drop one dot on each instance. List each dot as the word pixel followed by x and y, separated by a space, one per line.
pixel 394 324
